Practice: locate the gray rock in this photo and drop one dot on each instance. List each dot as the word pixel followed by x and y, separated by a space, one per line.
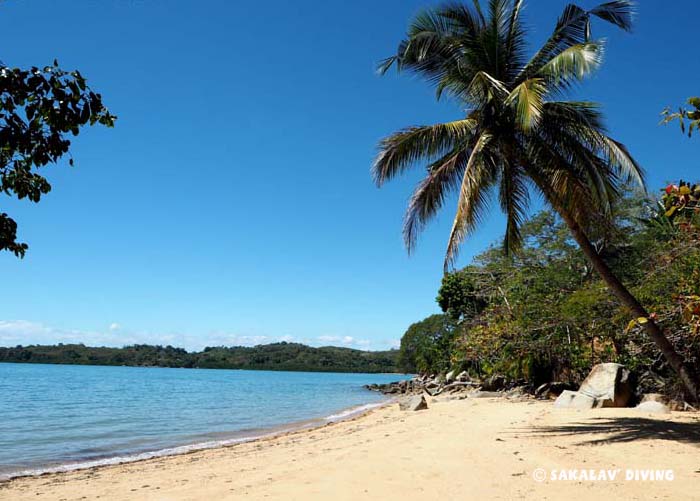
pixel 494 383
pixel 485 394
pixel 653 407
pixel 609 384
pixel 574 400
pixel 433 390
pixel 414 403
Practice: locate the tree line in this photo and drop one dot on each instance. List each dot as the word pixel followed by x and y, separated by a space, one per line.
pixel 276 356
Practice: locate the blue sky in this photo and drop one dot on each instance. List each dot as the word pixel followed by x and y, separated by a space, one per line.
pixel 232 203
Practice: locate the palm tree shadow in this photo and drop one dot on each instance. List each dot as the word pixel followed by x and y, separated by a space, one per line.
pixel 626 429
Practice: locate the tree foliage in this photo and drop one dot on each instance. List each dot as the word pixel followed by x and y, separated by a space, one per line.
pixel 426 345
pixel 458 296
pixel 39 110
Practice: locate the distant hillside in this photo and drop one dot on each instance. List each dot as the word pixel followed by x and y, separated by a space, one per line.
pixel 276 356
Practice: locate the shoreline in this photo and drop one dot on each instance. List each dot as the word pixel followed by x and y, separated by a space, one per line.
pixel 241 437
pixel 456 449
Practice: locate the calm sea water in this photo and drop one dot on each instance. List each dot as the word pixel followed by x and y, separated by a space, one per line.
pixel 55 417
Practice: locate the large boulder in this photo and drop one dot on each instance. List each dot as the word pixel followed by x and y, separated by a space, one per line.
pixel 609 384
pixel 414 403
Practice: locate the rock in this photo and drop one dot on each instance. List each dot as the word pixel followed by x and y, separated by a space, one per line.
pixel 574 400
pixel 609 384
pixel 459 386
pixel 653 407
pixel 494 383
pixel 552 390
pixel 485 394
pixel 450 377
pixel 654 397
pixel 414 403
pixel 433 390
pixel 463 377
pixel 516 392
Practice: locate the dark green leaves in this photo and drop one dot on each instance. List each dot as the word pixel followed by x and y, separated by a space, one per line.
pixel 38 109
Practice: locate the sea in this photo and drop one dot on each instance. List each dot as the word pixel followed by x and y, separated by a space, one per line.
pixel 65 417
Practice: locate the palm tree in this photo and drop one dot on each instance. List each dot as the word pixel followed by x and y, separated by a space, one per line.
pixel 518 136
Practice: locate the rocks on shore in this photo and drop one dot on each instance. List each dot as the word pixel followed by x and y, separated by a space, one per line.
pixel 414 403
pixel 453 384
pixel 607 385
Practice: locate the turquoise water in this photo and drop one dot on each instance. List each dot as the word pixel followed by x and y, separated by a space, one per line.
pixel 57 417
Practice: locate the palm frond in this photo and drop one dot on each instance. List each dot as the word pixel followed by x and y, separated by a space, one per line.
pixel 620 13
pixel 406 147
pixel 627 166
pixel 515 41
pixel 472 197
pixel 574 27
pixel 484 87
pixel 427 199
pixel 527 100
pixel 573 63
pixel 514 199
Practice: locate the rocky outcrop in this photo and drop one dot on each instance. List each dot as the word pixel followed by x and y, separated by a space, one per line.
pixel 607 385
pixel 454 385
pixel 414 403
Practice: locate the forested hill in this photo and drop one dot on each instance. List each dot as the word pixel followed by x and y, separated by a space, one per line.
pixel 277 356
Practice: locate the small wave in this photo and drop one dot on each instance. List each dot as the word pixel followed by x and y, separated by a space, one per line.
pixel 130 458
pixel 352 411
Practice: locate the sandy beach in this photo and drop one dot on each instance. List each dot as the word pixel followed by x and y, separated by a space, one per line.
pixel 457 449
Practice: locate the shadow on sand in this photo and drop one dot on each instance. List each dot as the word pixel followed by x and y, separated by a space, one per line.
pixel 626 429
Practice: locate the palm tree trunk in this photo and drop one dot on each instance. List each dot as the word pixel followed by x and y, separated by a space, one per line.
pixel 617 287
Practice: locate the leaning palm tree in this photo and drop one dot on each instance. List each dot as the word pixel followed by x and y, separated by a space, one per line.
pixel 518 136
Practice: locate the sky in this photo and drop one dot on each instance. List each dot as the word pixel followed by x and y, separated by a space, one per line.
pixel 232 203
